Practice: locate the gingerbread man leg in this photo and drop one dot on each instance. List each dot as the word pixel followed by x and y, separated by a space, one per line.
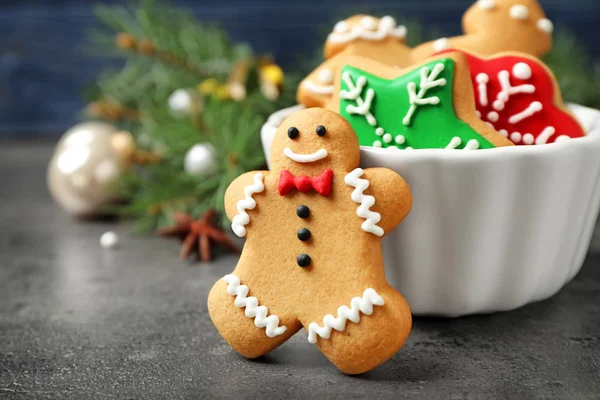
pixel 368 332
pixel 249 326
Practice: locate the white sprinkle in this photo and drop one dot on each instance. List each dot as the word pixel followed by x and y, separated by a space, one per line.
pixel 387 138
pixel 377 143
pixel 326 76
pixel 379 131
pixel 400 139
pixel 478 113
pixel 562 138
pixel 522 71
pixel 441 44
pixel 545 25
pixel 109 240
pixel 519 11
pixel 454 143
pixel 503 132
pixel 528 138
pixel 341 27
pixel 493 116
pixel 472 145
pixel 486 4
pixel 515 137
pixel 369 23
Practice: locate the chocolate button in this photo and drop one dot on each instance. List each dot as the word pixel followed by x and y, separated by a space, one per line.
pixel 304 234
pixel 303 260
pixel 303 211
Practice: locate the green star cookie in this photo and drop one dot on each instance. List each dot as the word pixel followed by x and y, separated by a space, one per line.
pixel 413 111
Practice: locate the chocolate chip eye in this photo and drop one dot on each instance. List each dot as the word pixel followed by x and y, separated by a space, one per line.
pixel 321 131
pixel 293 132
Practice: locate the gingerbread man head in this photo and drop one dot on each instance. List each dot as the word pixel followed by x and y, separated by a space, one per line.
pixel 493 26
pixel 302 147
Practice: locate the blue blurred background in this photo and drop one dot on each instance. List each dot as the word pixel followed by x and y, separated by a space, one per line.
pixel 44 69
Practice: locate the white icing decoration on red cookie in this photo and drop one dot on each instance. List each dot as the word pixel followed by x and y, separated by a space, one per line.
pixel 533 108
pixel 428 81
pixel 503 132
pixel 515 137
pixel 545 25
pixel 522 71
pixel 239 222
pixel 252 309
pixel 545 135
pixel 305 158
pixel 441 44
pixel 519 11
pixel 366 202
pixel 562 138
pixel 528 138
pixel 508 90
pixel 364 30
pixel 482 80
pixel 493 116
pixel 363 106
pixel 358 305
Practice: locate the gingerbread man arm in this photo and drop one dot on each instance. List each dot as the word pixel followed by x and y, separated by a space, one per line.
pixel 383 196
pixel 240 198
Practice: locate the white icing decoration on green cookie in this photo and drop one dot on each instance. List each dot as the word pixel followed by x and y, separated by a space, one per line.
pixel 363 106
pixel 428 81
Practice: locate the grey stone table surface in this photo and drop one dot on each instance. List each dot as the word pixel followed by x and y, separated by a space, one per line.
pixel 78 322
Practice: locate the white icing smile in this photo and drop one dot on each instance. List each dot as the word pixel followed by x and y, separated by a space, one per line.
pixel 305 158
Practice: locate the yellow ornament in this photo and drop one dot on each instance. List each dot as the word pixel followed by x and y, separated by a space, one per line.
pixel 223 92
pixel 272 73
pixel 208 86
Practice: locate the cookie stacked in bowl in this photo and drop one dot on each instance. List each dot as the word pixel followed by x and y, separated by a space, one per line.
pixel 505 177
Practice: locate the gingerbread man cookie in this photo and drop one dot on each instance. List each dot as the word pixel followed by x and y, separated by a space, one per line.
pixel 519 96
pixel 425 106
pixel 364 35
pixel 312 256
pixel 493 26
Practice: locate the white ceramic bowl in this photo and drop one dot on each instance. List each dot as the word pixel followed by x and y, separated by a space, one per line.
pixel 490 230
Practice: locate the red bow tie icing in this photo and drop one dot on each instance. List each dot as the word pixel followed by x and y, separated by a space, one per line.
pixel 516 95
pixel 321 183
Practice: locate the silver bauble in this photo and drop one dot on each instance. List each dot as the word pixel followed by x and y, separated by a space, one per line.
pixel 84 169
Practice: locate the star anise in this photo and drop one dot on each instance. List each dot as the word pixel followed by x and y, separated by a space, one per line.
pixel 198 234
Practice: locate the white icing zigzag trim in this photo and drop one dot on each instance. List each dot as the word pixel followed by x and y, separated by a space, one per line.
pixel 253 310
pixel 247 203
pixel 365 30
pixel 366 202
pixel 358 305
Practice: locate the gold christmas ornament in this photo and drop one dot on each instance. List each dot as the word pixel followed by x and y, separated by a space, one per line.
pixel 272 73
pixel 85 167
